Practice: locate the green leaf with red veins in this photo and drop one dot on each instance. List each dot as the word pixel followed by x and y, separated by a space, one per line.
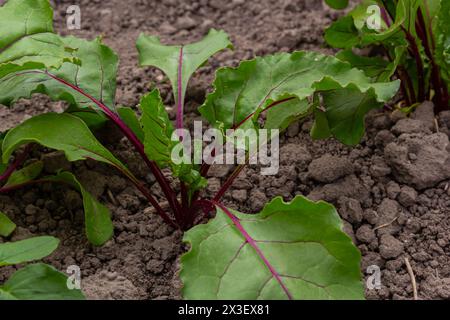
pixel 71 135
pixel 27 40
pixel 180 62
pixel 96 76
pixel 257 84
pixel 62 132
pixel 294 250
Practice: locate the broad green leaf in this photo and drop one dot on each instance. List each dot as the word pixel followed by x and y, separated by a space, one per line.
pixel 158 142
pixel 38 282
pixel 180 62
pixel 129 117
pixel 27 250
pixel 25 174
pixel 62 132
pixel 28 41
pixel 96 76
pixel 290 250
pixel 99 227
pixel 6 225
pixel 337 4
pixel 345 111
pixel 256 84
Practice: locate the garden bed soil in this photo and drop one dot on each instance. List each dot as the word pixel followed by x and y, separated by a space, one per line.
pixel 392 190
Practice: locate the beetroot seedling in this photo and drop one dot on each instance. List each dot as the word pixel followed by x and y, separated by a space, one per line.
pixel 281 243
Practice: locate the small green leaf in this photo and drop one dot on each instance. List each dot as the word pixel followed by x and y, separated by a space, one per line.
pixel 6 225
pixel 27 250
pixel 342 34
pixel 186 59
pixel 28 173
pixel 99 227
pixel 129 117
pixel 337 4
pixel 38 282
pixel 290 250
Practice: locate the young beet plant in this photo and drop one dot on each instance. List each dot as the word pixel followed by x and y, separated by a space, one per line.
pixel 36 281
pixel 414 36
pixel 290 250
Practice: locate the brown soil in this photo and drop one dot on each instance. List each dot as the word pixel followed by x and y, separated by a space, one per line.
pixel 391 190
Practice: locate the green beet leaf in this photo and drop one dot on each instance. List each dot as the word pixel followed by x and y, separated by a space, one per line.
pixel 342 34
pixel 257 84
pixel 28 41
pixel 180 62
pixel 345 113
pixel 27 250
pixel 6 225
pixel 96 76
pixel 352 30
pixel 157 129
pixel 442 30
pixel 62 132
pixel 294 250
pixel 71 135
pixel 99 227
pixel 158 143
pixel 373 67
pixel 38 282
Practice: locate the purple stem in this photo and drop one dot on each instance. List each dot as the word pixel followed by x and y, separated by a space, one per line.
pixel 17 162
pixel 255 246
pixel 165 186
